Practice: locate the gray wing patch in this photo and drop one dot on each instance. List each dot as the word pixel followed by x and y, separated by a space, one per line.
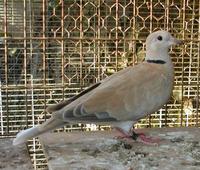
pixel 90 119
pixel 79 114
pixel 79 111
pixel 103 115
pixel 66 102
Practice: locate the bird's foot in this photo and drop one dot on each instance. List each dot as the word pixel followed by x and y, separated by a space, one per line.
pixel 139 137
pixel 148 140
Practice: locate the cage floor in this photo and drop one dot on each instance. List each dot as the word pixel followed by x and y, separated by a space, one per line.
pixel 13 157
pixel 179 148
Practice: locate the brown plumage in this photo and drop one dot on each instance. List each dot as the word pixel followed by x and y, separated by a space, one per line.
pixel 121 99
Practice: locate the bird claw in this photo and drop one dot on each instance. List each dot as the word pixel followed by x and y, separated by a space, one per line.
pixel 148 140
pixel 139 137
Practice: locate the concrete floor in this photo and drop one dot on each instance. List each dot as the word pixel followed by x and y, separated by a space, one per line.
pixel 13 157
pixel 179 149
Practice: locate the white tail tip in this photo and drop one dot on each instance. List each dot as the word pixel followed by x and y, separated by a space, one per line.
pixel 24 135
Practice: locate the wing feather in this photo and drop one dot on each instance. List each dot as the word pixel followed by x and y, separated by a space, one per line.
pixel 123 94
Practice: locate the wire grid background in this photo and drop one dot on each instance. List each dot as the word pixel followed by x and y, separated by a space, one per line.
pixel 52 49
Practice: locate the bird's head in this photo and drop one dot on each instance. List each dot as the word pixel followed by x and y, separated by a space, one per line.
pixel 158 44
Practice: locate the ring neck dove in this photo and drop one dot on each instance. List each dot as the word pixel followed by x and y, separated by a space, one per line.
pixel 122 98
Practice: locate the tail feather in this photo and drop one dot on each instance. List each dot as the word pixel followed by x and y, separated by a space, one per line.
pixel 49 125
pixel 24 135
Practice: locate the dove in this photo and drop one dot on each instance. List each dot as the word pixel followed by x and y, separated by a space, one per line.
pixel 121 99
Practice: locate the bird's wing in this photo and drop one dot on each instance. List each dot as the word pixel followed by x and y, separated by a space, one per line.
pixel 120 94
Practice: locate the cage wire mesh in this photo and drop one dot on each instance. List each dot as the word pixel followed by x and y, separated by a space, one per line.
pixel 52 49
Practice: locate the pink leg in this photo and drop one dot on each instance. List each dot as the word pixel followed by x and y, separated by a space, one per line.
pixel 147 139
pixel 140 137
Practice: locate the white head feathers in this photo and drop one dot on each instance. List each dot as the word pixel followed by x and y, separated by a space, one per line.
pixel 158 44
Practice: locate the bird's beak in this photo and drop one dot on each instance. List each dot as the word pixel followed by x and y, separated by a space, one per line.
pixel 174 41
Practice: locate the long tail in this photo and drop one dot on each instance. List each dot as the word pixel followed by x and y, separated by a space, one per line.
pixel 51 124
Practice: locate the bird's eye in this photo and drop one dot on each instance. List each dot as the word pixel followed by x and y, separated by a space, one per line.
pixel 160 38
